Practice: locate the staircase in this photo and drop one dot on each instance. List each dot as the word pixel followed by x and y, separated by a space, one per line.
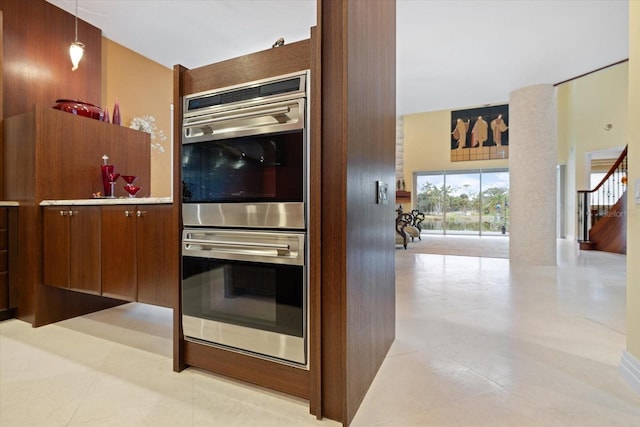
pixel 602 212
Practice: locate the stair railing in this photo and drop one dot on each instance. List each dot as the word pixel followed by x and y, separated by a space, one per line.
pixel 595 204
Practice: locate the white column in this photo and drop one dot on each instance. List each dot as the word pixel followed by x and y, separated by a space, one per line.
pixel 532 171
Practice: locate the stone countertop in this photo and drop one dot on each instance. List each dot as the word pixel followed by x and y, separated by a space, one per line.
pixel 109 201
pixel 8 203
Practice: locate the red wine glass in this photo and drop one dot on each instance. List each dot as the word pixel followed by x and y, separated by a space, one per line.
pixel 112 182
pixel 131 189
pixel 129 179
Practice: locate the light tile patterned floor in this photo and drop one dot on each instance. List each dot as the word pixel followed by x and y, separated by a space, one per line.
pixel 479 343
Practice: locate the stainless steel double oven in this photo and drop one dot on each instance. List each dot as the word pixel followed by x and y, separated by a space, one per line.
pixel 244 208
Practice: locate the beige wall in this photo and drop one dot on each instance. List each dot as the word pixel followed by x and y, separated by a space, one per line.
pixel 633 219
pixel 585 106
pixel 143 88
pixel 427 142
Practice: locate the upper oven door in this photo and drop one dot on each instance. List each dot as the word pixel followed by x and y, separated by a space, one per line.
pixel 251 169
pixel 215 124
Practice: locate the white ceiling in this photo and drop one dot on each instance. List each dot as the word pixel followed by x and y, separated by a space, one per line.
pixel 450 54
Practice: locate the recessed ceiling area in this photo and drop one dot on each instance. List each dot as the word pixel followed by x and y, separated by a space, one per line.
pixel 450 53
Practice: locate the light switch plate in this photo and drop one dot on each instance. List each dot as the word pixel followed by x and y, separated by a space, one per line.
pixel 382 191
pixel 637 191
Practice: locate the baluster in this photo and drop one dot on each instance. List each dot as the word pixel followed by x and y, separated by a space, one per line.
pixel 597 215
pixel 601 199
pixel 605 208
pixel 617 183
pixel 612 178
pixel 605 199
pixel 605 195
pixel 609 196
pixel 587 214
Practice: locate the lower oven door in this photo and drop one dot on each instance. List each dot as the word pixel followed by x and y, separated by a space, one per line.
pixel 233 297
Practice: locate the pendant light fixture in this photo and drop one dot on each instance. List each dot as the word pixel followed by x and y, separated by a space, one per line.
pixel 76 50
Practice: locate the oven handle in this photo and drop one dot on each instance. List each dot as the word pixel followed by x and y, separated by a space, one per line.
pixel 281 247
pixel 214 118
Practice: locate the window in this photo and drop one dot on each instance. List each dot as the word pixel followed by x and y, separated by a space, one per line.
pixel 464 202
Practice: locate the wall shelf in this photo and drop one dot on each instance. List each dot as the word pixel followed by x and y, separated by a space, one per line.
pixel 403 197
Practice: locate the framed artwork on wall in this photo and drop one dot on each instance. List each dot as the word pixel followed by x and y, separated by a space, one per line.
pixel 480 133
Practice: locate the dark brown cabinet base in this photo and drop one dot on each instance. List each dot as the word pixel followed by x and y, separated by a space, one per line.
pixel 139 247
pixel 125 252
pixel 8 242
pixel 4 260
pixel 119 252
pixel 157 250
pixel 71 248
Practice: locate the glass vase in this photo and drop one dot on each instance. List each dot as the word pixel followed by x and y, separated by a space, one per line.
pixel 116 113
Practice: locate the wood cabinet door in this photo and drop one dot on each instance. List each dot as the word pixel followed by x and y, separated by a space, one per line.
pixel 84 249
pixel 55 247
pixel 119 252
pixel 157 255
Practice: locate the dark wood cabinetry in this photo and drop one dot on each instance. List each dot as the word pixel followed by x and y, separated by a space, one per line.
pixel 119 252
pixel 126 252
pixel 71 248
pixel 53 155
pixel 157 243
pixel 8 246
pixel 139 246
pixel 403 197
pixel 4 259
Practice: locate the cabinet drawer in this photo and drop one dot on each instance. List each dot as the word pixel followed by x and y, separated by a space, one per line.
pixel 3 217
pixel 3 238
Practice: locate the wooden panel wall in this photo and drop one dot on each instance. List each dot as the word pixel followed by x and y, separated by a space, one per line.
pixel 57 155
pixel 1 103
pixel 358 253
pixel 314 230
pixel 36 68
pixel 286 59
pixel 179 75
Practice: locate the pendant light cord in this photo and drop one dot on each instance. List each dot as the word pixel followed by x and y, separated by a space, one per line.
pixel 76 20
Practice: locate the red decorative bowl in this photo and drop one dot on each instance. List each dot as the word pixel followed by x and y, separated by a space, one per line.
pixel 79 108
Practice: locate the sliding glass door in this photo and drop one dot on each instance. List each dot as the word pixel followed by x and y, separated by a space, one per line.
pixel 431 200
pixel 495 202
pixel 462 215
pixel 464 202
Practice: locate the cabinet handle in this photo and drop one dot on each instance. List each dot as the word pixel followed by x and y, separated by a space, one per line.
pixel 128 213
pixel 63 213
pixel 73 213
pixel 140 213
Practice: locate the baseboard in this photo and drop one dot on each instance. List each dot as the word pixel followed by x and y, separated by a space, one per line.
pixel 630 370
